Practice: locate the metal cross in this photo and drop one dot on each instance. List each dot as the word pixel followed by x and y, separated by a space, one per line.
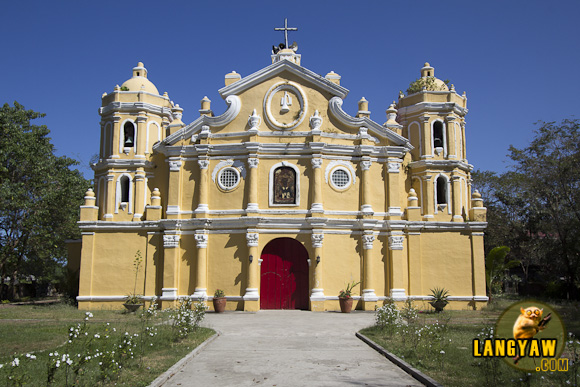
pixel 286 29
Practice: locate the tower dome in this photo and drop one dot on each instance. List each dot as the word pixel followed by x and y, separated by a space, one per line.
pixel 139 81
pixel 429 71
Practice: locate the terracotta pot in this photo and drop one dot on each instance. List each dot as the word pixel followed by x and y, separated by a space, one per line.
pixel 345 304
pixel 132 307
pixel 438 305
pixel 219 304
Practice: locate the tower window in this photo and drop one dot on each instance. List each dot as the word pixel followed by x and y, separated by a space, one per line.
pixel 129 135
pixel 438 134
pixel 124 189
pixel 441 190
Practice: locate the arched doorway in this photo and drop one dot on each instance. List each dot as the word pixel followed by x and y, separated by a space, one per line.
pixel 284 275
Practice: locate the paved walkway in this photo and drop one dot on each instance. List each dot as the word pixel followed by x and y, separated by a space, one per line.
pixel 289 348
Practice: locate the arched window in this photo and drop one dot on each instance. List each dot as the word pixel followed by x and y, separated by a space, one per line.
pixel 441 190
pixel 124 189
pixel 284 185
pixel 129 135
pixel 438 134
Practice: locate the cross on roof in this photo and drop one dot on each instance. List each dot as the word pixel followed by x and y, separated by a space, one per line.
pixel 286 29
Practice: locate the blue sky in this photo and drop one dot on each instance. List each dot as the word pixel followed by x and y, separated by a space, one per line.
pixel 518 61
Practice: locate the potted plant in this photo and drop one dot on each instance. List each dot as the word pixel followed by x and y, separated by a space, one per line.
pixel 439 299
pixel 219 301
pixel 345 297
pixel 133 301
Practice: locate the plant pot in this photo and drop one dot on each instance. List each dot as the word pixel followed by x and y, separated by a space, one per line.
pixel 132 307
pixel 345 304
pixel 219 304
pixel 438 305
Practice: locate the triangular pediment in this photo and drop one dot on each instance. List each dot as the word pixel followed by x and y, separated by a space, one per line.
pixel 276 69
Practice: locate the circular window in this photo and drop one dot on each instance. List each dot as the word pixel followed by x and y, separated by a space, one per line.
pixel 228 178
pixel 340 178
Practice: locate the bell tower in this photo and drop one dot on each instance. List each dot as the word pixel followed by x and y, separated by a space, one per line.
pixel 133 118
pixel 433 119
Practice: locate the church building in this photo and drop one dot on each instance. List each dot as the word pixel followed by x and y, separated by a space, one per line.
pixel 284 198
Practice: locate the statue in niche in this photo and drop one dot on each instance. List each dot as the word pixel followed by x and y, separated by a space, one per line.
pixel 284 186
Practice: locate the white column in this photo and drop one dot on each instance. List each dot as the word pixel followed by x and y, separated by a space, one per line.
pixel 316 267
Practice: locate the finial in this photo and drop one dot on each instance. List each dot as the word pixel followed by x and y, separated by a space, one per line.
pixel 476 195
pixel 104 95
pixel 315 121
pixel 166 95
pixel 254 121
pixel 117 88
pixel 285 29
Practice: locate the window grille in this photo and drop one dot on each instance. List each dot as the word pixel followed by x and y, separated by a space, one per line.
pixel 340 178
pixel 228 178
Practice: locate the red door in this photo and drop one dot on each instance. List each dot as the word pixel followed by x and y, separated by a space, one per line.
pixel 284 275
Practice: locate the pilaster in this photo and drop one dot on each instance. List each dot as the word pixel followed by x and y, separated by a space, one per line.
pixel 317 184
pixel 426 128
pixel 428 198
pixel 366 207
pixel 253 183
pixel 392 190
pixel 110 198
pixel 116 137
pixel 141 134
pixel 170 268
pixel 451 136
pixel 174 188
pixel 456 198
pixel 317 297
pixel 399 268
pixel 369 297
pixel 202 207
pixel 86 269
pixel 201 239
pixel 139 194
pixel 252 296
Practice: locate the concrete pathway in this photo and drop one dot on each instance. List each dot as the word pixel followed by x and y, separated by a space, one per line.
pixel 289 348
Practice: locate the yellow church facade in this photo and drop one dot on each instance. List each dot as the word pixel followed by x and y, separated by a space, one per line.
pixel 284 198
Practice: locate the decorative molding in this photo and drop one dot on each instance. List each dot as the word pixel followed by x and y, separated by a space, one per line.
pixel 235 164
pixel 315 122
pixel 317 294
pixel 369 295
pixel 201 241
pixel 267 104
pixel 252 239
pixel 347 166
pixel 335 107
pixel 317 240
pixel 366 164
pixel 252 294
pixel 135 107
pixel 254 121
pixel 271 184
pixel 168 294
pixel 200 294
pixel 398 295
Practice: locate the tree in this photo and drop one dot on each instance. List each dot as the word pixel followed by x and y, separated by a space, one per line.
pixel 534 208
pixel 39 198
pixel 496 268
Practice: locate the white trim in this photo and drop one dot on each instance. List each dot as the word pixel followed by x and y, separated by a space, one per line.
pixel 122 136
pixel 238 178
pixel 347 166
pixel 444 139
pixel 118 194
pixel 271 185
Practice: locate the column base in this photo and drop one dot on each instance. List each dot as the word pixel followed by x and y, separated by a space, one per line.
pixel 367 209
pixel 252 208
pixel 317 207
pixel 457 218
pixel 251 305
pixel 199 294
pixel 252 294
pixel 398 295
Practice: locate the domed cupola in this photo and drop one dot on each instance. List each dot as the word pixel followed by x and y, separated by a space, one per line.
pixel 428 74
pixel 139 81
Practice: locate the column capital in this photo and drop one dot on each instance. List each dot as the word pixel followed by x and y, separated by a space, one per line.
pixel 366 164
pixel 316 162
pixel 203 163
pixel 393 167
pixel 201 240
pixel 396 242
pixel 368 240
pixel 253 162
pixel 252 239
pixel 171 240
pixel 317 240
pixel 175 165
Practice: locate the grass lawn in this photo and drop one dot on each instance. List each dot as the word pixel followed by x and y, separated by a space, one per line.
pixel 110 347
pixel 441 346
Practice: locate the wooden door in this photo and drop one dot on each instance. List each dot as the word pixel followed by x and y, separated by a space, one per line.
pixel 284 275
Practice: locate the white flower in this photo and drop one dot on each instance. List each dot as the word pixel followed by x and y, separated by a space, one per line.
pixel 97 336
pixel 69 362
pixel 442 352
pixel 1 365
pixel 15 362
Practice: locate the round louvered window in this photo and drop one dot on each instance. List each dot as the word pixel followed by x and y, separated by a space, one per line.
pixel 228 178
pixel 340 178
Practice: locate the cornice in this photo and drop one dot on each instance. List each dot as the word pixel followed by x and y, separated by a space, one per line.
pixel 441 164
pixel 122 163
pixel 275 69
pixel 133 107
pixel 438 107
